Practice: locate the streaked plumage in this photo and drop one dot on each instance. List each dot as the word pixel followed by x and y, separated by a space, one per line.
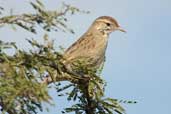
pixel 92 45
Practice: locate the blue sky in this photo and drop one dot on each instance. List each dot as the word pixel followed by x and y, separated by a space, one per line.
pixel 138 65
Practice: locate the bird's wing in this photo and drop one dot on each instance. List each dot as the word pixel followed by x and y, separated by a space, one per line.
pixel 78 49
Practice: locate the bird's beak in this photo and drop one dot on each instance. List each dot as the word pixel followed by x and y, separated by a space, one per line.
pixel 121 29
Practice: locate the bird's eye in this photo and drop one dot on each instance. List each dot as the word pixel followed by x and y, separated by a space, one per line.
pixel 108 24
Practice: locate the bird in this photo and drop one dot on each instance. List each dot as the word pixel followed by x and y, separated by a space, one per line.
pixel 90 48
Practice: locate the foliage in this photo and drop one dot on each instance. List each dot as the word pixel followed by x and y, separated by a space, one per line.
pixel 48 20
pixel 25 76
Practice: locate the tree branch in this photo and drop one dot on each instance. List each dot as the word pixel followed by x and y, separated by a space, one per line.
pixel 48 20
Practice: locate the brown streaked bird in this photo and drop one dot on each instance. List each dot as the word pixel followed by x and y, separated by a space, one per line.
pixel 92 45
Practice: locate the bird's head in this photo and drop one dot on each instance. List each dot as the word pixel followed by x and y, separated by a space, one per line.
pixel 106 25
